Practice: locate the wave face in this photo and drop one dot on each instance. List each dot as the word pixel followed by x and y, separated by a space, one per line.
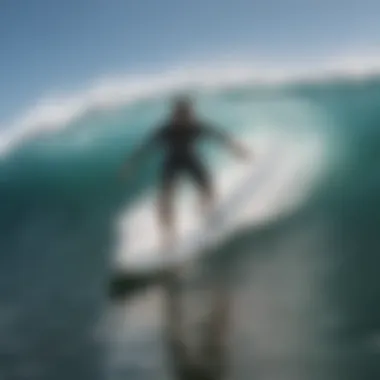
pixel 309 237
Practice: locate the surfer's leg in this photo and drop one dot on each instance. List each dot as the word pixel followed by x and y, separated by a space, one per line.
pixel 207 199
pixel 202 179
pixel 165 203
pixel 166 217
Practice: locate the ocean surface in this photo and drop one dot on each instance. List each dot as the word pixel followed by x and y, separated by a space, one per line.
pixel 300 255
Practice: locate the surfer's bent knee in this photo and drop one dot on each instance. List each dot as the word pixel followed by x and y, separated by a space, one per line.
pixel 165 205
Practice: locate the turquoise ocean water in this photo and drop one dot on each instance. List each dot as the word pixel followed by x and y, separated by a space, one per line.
pixel 304 268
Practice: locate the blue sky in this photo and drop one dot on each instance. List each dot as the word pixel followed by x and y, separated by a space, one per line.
pixel 52 45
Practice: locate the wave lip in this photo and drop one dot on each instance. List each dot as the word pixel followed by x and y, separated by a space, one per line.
pixel 56 112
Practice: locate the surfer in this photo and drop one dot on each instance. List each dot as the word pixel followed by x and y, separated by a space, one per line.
pixel 179 137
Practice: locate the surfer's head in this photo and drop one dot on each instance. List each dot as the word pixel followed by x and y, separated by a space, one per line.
pixel 182 109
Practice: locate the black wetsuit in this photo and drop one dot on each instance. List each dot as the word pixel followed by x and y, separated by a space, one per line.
pixel 180 143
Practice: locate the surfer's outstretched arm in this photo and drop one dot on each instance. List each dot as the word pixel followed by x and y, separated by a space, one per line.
pixel 132 162
pixel 237 148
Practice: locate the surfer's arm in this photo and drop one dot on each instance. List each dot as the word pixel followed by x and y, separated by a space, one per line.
pixel 132 162
pixel 236 147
